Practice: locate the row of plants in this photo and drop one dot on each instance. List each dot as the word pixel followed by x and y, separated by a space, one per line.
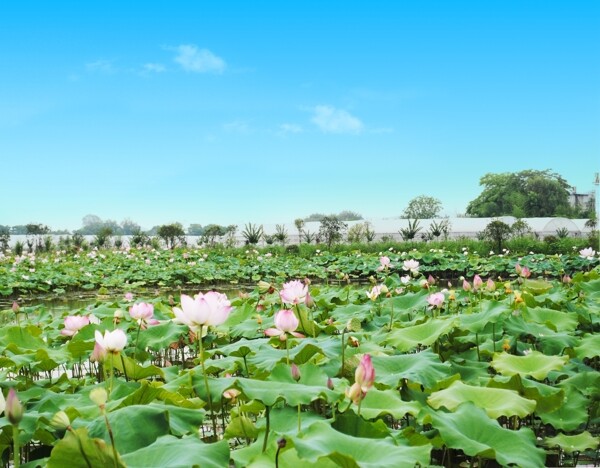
pixel 405 371
pixel 130 269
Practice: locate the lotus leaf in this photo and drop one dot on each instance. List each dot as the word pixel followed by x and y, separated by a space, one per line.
pixel 535 364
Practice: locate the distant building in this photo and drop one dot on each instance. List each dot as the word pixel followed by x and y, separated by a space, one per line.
pixel 581 200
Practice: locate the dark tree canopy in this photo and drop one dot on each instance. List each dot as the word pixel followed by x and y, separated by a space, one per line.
pixel 525 194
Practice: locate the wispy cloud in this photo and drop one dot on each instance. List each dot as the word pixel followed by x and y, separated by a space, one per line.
pixel 237 126
pixel 198 60
pixel 290 128
pixel 153 68
pixel 100 66
pixel 332 120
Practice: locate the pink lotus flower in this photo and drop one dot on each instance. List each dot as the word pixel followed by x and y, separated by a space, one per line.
pixel 128 296
pixel 293 292
pixel 74 323
pixel 436 299
pixel 384 263
pixel 285 322
pixel 525 272
pixel 411 265
pixel 477 282
pixel 204 310
pixel 98 354
pixel 365 373
pixel 375 292
pixel 14 408
pixel 112 341
pixel 466 285
pixel 490 285
pixel 587 253
pixel 142 312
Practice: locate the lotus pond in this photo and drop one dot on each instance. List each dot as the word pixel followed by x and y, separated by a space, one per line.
pixel 406 371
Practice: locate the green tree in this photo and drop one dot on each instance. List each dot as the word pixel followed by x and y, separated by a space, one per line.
pixel 497 232
pixel 171 234
pixel 422 207
pixel 331 230
pixel 529 193
pixel 4 237
pixel 195 230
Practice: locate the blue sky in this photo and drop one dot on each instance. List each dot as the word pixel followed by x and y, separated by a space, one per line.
pixel 228 112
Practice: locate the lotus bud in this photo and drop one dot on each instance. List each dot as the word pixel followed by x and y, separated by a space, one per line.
pixel 506 345
pixel 309 301
pixel 329 383
pixel 15 307
pixel 307 281
pixel 431 279
pixel 264 287
pixel 281 443
pixel 352 341
pixel 99 396
pixel 424 284
pixel 477 282
pixel 490 285
pixel 365 373
pixel 295 372
pixel 14 408
pixel 566 279
pixel 518 268
pixel 525 272
pixel 466 285
pixel 355 393
pixel 60 421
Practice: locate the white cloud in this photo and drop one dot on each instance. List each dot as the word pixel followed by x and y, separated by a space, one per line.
pixel 290 128
pixel 332 120
pixel 237 126
pixel 198 60
pixel 100 66
pixel 153 68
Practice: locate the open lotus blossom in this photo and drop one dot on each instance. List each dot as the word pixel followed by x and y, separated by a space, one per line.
pixel 405 279
pixel 376 291
pixel 411 265
pixel 436 299
pixel 477 282
pixel 384 263
pixel 293 292
pixel 112 341
pixel 74 323
pixel 143 314
pixel 587 253
pixel 285 322
pixel 203 310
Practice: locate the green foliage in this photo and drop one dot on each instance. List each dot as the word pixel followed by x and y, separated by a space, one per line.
pixel 252 233
pixel 497 232
pixel 331 230
pixel 410 232
pixel 172 235
pixel 422 207
pixel 528 193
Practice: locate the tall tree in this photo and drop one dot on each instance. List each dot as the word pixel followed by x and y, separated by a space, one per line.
pixel 422 207
pixel 529 193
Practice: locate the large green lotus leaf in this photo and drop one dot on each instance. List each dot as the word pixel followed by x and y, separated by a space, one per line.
pixel 410 301
pixel 517 326
pixel 241 426
pixel 321 442
pixel 379 402
pixel 281 386
pixel 536 287
pixel 587 383
pixel 425 334
pixel 26 337
pixel 351 424
pixel 557 343
pixel 470 429
pixel 160 336
pixel 534 364
pixel 285 420
pixel 589 347
pixel 555 319
pixel 424 368
pixel 495 401
pixel 470 370
pixel 491 312
pixel 573 443
pixel 80 451
pixel 547 398
pixel 172 451
pixel 242 347
pixel 132 369
pixel 346 312
pixel 571 415
pixel 134 427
